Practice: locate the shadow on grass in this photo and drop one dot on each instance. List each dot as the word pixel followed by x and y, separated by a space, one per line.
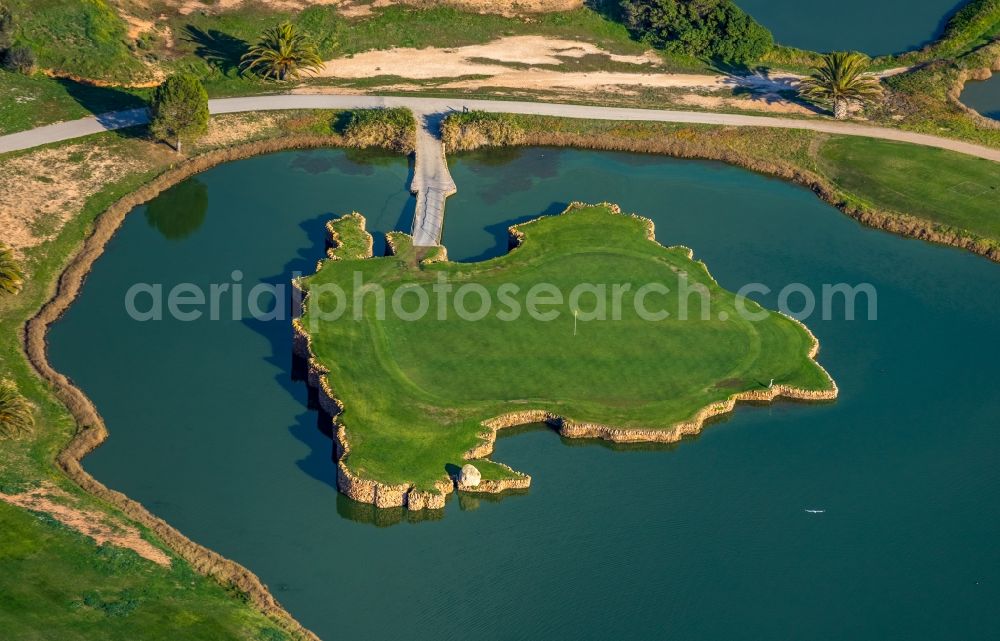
pixel 114 108
pixel 778 97
pixel 218 49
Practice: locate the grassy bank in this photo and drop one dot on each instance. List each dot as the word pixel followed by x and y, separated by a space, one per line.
pixel 57 582
pixel 926 99
pixel 415 390
pixel 974 25
pixel 933 194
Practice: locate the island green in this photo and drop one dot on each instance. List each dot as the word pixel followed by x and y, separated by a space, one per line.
pixel 416 390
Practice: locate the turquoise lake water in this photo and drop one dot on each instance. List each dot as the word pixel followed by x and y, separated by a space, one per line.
pixel 876 28
pixel 708 539
pixel 984 96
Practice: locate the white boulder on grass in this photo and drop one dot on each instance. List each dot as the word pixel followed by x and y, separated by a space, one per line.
pixel 470 476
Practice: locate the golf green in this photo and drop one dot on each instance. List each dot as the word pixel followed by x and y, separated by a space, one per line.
pixel 588 322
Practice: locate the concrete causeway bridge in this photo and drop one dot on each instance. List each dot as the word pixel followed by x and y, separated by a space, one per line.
pixel 432 182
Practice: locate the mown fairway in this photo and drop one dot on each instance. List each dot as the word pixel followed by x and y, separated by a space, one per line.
pixel 942 186
pixel 415 391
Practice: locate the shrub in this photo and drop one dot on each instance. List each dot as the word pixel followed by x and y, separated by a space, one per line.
pixel 11 274
pixel 19 59
pixel 16 413
pixel 474 129
pixel 394 129
pixel 715 29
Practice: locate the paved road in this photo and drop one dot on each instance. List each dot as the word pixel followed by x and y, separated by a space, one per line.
pixel 432 182
pixel 77 128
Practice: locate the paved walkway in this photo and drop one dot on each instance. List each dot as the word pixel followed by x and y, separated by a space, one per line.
pixel 431 181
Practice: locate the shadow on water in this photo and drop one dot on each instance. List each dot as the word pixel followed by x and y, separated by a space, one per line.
pixel 405 220
pixel 180 210
pixel 352 162
pixel 943 24
pixel 361 162
pixel 218 49
pixel 506 171
pixel 368 514
pixel 501 235
pixel 313 427
pixel 484 158
pixel 597 442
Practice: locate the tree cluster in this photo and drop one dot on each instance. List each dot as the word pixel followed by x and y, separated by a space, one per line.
pixel 713 29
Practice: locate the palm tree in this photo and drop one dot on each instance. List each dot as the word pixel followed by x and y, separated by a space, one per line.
pixel 840 81
pixel 11 276
pixel 281 53
pixel 16 416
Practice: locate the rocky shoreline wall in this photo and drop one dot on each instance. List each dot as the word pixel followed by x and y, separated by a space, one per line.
pixel 578 429
pixel 362 490
pixel 91 430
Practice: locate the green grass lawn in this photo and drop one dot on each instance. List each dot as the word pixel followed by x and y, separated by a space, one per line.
pixel 941 186
pixel 415 391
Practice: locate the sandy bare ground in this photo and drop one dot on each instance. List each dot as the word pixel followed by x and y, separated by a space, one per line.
pixel 541 79
pixel 501 59
pixel 40 191
pixel 59 505
pixel 765 102
pixel 353 8
pixel 500 63
pixel 481 59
